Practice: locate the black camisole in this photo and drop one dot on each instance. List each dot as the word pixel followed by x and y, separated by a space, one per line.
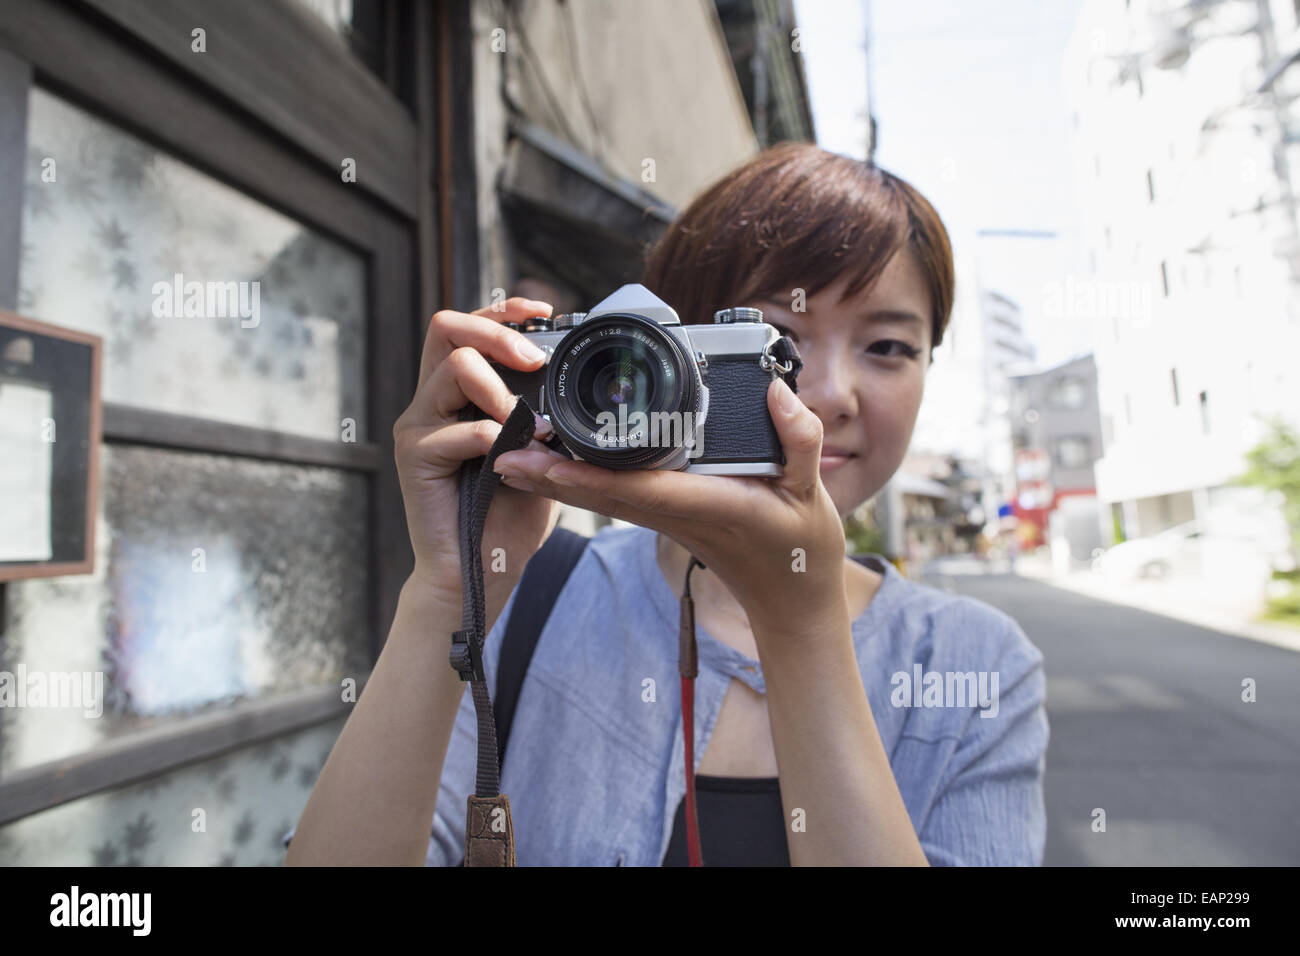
pixel 742 823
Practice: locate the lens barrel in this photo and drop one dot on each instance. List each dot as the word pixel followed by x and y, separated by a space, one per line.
pixel 609 383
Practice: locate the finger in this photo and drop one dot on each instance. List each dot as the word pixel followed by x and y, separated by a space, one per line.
pixel 671 494
pixel 483 330
pixel 800 433
pixel 515 309
pixel 464 378
pixel 610 508
pixel 446 448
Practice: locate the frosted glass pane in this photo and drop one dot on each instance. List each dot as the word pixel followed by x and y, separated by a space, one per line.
pixel 249 799
pixel 217 579
pixel 210 303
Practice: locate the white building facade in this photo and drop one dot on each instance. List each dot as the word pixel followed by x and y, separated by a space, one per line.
pixel 1187 165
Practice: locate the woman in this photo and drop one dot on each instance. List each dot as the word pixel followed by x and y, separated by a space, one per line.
pixel 849 689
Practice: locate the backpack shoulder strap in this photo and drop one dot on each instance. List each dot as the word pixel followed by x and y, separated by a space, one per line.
pixel 539 586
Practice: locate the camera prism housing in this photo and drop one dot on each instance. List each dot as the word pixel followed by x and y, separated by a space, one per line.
pixel 627 386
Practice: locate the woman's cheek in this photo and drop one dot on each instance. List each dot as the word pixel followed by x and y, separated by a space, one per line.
pixel 891 420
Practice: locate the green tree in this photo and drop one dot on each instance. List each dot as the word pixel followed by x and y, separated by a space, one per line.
pixel 863 535
pixel 1275 464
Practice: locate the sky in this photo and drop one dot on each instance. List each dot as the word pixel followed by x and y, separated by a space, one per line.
pixel 969 108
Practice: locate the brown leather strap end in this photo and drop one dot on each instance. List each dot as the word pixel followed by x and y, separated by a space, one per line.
pixel 489 833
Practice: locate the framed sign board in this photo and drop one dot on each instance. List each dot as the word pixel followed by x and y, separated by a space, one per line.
pixel 50 422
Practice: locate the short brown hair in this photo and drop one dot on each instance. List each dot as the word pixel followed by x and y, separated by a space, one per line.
pixel 798 216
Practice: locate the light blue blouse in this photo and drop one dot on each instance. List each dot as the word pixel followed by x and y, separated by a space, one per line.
pixel 594 771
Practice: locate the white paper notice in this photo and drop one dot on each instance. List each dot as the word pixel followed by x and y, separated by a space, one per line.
pixel 26 464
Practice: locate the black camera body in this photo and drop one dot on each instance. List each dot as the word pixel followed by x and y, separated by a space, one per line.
pixel 627 386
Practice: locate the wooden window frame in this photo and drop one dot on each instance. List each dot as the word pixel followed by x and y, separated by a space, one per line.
pixel 243 119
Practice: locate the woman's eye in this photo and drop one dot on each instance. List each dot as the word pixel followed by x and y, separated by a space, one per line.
pixel 782 330
pixel 893 348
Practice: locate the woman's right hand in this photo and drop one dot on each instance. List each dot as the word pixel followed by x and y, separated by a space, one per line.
pixel 431 443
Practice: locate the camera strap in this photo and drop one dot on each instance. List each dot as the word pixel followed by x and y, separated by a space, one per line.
pixel 688 666
pixel 489 832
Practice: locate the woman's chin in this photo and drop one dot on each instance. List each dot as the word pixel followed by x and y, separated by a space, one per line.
pixel 849 488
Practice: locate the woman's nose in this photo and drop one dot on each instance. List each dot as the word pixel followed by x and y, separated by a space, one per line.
pixel 826 387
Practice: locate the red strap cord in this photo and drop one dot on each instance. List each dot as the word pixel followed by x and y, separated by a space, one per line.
pixel 688 667
pixel 688 728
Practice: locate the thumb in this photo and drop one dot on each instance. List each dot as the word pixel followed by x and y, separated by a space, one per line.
pixel 800 432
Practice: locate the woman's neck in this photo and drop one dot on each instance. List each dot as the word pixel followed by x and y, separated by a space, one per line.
pixel 712 597
pixel 707 590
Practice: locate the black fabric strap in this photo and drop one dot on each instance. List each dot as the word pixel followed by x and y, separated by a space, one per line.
pixel 539 586
pixel 478 483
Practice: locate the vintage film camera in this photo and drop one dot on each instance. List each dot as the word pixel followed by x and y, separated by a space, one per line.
pixel 627 386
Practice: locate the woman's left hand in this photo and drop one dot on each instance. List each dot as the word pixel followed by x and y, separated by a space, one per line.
pixel 776 543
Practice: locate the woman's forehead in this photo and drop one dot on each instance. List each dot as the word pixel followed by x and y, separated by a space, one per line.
pixel 900 288
pixel 902 269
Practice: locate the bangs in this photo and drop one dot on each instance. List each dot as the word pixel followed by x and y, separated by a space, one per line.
pixel 839 224
pixel 797 217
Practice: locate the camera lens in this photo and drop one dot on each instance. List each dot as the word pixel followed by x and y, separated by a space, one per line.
pixel 615 377
pixel 623 392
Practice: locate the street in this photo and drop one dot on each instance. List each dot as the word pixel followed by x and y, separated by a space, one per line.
pixel 1148 724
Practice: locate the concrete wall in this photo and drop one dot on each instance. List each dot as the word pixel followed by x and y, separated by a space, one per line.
pixel 625 83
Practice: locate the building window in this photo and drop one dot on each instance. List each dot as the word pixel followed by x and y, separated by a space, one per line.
pixel 120 252
pixel 283 599
pixel 1173 378
pixel 1074 451
pixel 1205 412
pixel 1164 278
pixel 1128 409
pixel 1151 186
pixel 1068 393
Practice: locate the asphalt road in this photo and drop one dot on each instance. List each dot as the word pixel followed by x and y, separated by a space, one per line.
pixel 1148 723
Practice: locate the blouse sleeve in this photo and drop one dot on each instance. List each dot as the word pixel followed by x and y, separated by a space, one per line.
pixel 990 810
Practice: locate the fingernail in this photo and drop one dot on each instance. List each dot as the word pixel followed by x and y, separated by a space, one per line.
pixel 519 483
pixel 557 477
pixel 529 351
pixel 541 427
pixel 507 470
pixel 785 399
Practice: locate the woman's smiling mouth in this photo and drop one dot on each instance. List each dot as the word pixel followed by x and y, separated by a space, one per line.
pixel 833 457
